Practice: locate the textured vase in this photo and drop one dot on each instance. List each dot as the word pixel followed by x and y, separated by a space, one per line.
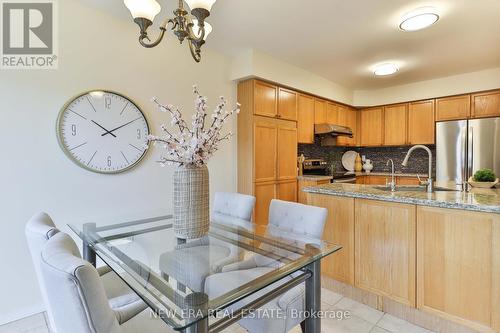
pixel 191 202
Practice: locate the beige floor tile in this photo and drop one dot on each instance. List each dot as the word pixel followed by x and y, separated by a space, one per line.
pixel 396 325
pixel 353 324
pixel 361 310
pixel 378 330
pixel 330 297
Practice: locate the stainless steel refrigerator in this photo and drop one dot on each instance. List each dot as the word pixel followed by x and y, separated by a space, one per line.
pixel 465 146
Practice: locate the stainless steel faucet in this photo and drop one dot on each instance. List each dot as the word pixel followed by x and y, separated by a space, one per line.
pixel 429 183
pixel 392 183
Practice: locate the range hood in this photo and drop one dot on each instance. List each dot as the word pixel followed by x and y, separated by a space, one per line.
pixel 329 133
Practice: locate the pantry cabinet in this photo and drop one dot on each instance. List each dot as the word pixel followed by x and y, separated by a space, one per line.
pixel 266 99
pixel 287 104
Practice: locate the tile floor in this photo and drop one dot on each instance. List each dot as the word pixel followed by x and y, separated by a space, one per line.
pixel 362 319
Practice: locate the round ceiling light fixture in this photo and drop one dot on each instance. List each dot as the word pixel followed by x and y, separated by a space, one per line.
pixel 385 69
pixel 419 19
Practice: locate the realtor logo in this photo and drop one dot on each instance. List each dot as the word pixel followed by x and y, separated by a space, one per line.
pixel 28 35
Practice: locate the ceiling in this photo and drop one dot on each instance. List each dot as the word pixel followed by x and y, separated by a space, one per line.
pixel 342 40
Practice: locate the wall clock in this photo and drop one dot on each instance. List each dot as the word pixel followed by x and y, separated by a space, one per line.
pixel 103 131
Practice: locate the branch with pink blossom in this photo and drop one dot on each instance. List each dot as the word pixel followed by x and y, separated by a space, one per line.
pixel 193 145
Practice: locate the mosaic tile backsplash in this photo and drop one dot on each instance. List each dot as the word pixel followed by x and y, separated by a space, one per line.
pixel 418 162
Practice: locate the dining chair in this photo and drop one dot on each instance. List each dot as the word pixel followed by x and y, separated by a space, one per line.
pixel 287 220
pixel 77 297
pixel 192 262
pixel 40 228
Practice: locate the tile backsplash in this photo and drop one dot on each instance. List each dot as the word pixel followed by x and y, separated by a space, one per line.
pixel 418 162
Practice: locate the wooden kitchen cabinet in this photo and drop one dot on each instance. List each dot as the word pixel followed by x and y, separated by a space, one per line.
pixel 332 114
pixel 305 119
pixel 486 104
pixel 458 266
pixel 339 229
pixel 408 181
pixel 385 244
pixel 264 192
pixel 287 190
pixel 361 180
pixel 287 104
pixel 266 139
pixel 376 180
pixel 395 125
pixel 421 126
pixel 348 117
pixel 287 151
pixel 453 108
pixel 302 196
pixel 319 111
pixel 266 99
pixel 371 127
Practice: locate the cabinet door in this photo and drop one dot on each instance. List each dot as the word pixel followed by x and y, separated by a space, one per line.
pixel 486 104
pixel 287 104
pixel 265 150
pixel 458 266
pixel 395 124
pixel 332 114
pixel 305 117
pixel 421 122
pixel 287 191
pixel 339 229
pixel 408 181
pixel 371 121
pixel 319 111
pixel 361 180
pixel 266 99
pixel 348 117
pixel 453 108
pixel 385 244
pixel 264 193
pixel 376 180
pixel 287 151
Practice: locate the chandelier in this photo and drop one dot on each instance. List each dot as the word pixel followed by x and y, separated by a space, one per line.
pixel 191 27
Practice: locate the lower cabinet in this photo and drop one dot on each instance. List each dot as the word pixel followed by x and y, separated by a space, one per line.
pixel 302 196
pixel 266 191
pixel 385 244
pixel 287 190
pixel 339 230
pixel 407 181
pixel 376 180
pixel 459 266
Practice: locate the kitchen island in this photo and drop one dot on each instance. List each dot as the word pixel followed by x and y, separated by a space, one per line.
pixel 426 257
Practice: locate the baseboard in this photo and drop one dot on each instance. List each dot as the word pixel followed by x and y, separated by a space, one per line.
pixel 9 317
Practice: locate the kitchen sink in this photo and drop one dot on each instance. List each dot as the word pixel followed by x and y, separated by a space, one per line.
pixel 414 189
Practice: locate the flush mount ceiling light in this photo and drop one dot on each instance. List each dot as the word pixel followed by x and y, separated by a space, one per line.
pixel 385 69
pixel 191 27
pixel 419 19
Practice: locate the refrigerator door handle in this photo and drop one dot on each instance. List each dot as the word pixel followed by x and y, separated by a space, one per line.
pixel 470 153
pixel 464 161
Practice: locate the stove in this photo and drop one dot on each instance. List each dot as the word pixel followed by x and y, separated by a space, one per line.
pixel 318 166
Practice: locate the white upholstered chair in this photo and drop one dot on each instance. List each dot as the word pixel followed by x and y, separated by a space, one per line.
pixel 77 297
pixel 288 220
pixel 192 262
pixel 40 228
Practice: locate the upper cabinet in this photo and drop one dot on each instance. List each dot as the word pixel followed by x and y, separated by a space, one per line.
pixel 371 121
pixel 287 104
pixel 319 111
pixel 332 113
pixel 421 122
pixel 305 119
pixel 347 117
pixel 395 125
pixel 266 99
pixel 486 104
pixel 453 108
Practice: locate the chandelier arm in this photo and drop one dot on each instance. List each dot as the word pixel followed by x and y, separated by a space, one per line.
pixel 195 51
pixel 192 36
pixel 144 35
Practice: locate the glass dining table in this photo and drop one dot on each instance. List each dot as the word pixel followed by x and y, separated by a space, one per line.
pixel 136 252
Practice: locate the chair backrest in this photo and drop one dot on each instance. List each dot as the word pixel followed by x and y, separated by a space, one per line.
pixel 74 289
pixel 233 209
pixel 39 229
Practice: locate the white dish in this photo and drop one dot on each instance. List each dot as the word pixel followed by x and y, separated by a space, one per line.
pixel 349 159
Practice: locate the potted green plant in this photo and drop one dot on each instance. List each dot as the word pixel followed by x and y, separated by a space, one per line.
pixel 484 178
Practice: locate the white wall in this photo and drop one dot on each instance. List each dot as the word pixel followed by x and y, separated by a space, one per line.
pixel 451 85
pixel 96 51
pixel 252 63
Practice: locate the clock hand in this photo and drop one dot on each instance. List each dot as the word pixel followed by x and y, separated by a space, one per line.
pixel 104 129
pixel 114 129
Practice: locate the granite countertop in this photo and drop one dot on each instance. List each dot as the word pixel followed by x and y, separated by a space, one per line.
pixel 482 200
pixel 421 175
pixel 314 177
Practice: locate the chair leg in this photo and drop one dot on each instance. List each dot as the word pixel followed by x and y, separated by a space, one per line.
pixel 303 326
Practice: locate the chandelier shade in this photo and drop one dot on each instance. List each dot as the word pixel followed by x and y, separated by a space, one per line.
pixel 147 9
pixel 203 4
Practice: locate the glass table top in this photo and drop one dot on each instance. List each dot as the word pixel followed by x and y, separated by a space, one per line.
pixel 183 283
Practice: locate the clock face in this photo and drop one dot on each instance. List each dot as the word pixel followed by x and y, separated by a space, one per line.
pixel 103 132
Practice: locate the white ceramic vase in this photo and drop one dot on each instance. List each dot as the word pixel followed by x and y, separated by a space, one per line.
pixel 368 166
